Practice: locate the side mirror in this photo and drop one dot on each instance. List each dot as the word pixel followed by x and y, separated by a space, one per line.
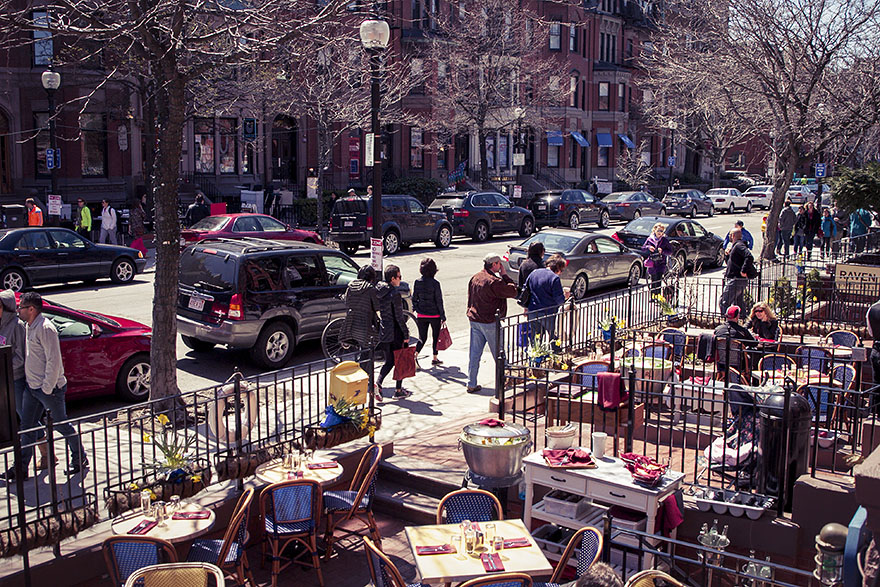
pixel 97 331
pixel 509 204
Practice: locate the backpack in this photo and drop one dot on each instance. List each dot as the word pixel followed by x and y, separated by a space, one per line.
pixel 749 267
pixel 525 295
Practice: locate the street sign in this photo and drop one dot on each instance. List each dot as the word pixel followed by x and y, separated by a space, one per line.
pixel 369 144
pixel 53 204
pixel 376 254
pixel 50 159
pixel 311 187
pixel 519 159
pixel 517 192
pixel 670 161
pixel 820 170
pixel 249 129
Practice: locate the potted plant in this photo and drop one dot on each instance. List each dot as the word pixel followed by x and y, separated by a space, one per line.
pixel 673 317
pixel 543 354
pixel 343 421
pixel 607 321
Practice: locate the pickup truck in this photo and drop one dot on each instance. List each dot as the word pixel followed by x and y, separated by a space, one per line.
pixel 729 199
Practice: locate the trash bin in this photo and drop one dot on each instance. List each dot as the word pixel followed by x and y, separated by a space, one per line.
pixel 771 448
pixel 349 382
pixel 16 215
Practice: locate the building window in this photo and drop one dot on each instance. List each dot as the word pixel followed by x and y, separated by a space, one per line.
pixel 93 133
pixel 573 90
pixel 227 148
pixel 441 75
pixel 203 137
pixel 442 153
pixel 555 36
pixel 621 97
pixel 416 150
pixel 602 155
pixel 503 159
pixel 41 143
pixel 572 153
pixel 552 155
pixel 646 154
pixel 572 39
pixel 607 48
pixel 603 96
pixel 629 48
pixel 43 49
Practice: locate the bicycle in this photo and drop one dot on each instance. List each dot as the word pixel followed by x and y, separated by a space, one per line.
pixel 334 348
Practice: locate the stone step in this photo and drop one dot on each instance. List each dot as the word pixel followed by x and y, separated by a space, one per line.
pixel 424 476
pixel 405 503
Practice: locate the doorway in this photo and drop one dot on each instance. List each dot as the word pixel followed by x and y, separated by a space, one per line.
pixel 5 163
pixel 284 163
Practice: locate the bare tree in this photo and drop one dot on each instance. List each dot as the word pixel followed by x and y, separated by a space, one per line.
pixel 632 169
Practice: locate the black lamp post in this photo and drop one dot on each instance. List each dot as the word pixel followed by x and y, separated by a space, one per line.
pixel 52 81
pixel 375 35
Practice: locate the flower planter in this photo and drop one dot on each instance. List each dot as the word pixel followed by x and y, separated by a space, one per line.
pixel 49 529
pixel 316 437
pixel 122 500
pixel 241 466
pixel 676 320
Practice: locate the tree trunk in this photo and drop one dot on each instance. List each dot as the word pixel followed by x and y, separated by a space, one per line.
pixel 780 186
pixel 716 174
pixel 484 164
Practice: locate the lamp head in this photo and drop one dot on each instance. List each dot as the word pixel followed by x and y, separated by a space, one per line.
pixel 375 34
pixel 51 80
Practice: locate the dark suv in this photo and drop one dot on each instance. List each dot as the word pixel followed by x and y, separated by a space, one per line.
pixel 688 203
pixel 483 214
pixel 569 208
pixel 405 221
pixel 258 294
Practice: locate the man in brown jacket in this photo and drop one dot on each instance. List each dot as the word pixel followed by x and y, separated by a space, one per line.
pixel 488 291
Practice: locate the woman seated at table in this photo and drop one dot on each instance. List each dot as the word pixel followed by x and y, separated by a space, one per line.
pixel 762 322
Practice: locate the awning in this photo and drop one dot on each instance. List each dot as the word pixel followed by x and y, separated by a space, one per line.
pixel 554 137
pixel 604 139
pixel 580 139
pixel 626 141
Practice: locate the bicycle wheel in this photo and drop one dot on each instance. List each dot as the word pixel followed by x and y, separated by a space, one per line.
pixel 413 328
pixel 332 346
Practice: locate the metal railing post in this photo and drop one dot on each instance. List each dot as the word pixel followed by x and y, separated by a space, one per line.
pixel 236 386
pixel 630 418
pixel 53 481
pixel 500 360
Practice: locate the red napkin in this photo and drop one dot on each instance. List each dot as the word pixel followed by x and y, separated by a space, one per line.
pixel 144 527
pixel 199 515
pixel 672 516
pixel 569 457
pixel 439 549
pixel 325 465
pixel 492 562
pixel 765 339
pixel 491 423
pixel 517 543
pixel 610 396
pixel 702 380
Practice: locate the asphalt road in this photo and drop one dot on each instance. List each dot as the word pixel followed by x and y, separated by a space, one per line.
pixel 456 265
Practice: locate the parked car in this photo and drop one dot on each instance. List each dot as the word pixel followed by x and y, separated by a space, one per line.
pixel 405 221
pixel 243 225
pixel 568 208
pixel 36 256
pixel 730 199
pixel 760 195
pixel 692 244
pixel 481 215
pixel 799 194
pixel 260 295
pixel 688 203
pixel 629 205
pixel 102 354
pixel 593 260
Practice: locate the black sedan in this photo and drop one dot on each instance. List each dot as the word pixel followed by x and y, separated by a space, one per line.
pixel 691 243
pixel 688 203
pixel 568 208
pixel 35 256
pixel 481 215
pixel 629 205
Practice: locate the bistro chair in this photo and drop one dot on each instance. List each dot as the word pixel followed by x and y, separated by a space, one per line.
pixel 126 554
pixel 177 575
pixel 290 511
pixel 588 541
pixel 650 578
pixel 843 375
pixel 500 580
pixel 228 554
pixel 842 338
pixel 776 362
pixel 588 372
pixel 475 505
pixel 658 350
pixel 735 357
pixel 676 338
pixel 356 503
pixel 383 572
pixel 821 396
pixel 813 358
pixel 733 377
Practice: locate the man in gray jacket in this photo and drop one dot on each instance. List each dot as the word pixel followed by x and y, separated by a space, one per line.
pixel 787 220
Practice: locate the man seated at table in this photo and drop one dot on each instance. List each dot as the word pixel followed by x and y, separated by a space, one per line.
pixel 598 575
pixel 732 330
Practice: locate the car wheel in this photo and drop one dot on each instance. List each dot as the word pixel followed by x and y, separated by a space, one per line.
pixel 481 232
pixel 444 237
pixel 527 227
pixel 405 246
pixel 731 209
pixel 635 274
pixel 693 213
pixel 199 346
pixel 348 249
pixel 122 271
pixel 719 257
pixel 679 263
pixel 579 287
pixel 604 219
pixel 574 221
pixel 274 346
pixel 637 214
pixel 14 280
pixel 711 211
pixel 749 207
pixel 133 381
pixel 391 242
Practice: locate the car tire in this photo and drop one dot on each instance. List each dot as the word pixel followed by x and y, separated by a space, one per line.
pixel 123 271
pixel 635 275
pixel 731 209
pixel 391 243
pixel 711 212
pixel 679 263
pixel 604 219
pixel 444 237
pixel 527 227
pixel 481 232
pixel 718 261
pixel 637 214
pixel 133 380
pixel 579 287
pixel 574 221
pixel 14 279
pixel 199 346
pixel 348 249
pixel 274 346
pixel 693 213
pixel 749 207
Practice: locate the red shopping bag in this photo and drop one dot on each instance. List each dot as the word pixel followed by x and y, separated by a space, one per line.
pixel 404 363
pixel 444 339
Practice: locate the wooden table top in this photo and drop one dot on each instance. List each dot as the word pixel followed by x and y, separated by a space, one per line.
pixel 173 530
pixel 272 472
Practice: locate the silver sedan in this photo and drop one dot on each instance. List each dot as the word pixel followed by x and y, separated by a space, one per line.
pixel 594 260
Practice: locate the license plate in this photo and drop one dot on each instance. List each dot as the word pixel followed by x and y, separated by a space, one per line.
pixel 182 242
pixel 348 223
pixel 542 206
pixel 197 304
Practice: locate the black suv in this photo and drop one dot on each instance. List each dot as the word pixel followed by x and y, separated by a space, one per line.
pixel 483 214
pixel 258 294
pixel 569 208
pixel 688 203
pixel 405 221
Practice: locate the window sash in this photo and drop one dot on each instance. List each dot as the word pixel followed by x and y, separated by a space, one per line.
pixel 227 146
pixel 43 51
pixel 603 96
pixel 416 150
pixel 41 143
pixel 552 155
pixel 93 141
pixel 555 36
pixel 203 151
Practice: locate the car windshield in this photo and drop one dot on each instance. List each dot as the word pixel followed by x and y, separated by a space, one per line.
pixel 451 202
pixel 617 197
pixel 643 226
pixel 717 192
pixel 758 188
pixel 207 271
pixel 93 315
pixel 350 206
pixel 553 241
pixel 677 194
pixel 210 223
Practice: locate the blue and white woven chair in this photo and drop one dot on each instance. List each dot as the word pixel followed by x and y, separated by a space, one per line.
pixel 776 363
pixel 290 511
pixel 813 358
pixel 475 505
pixel 178 575
pixel 657 350
pixel 126 554
pixel 842 338
pixel 500 580
pixel 383 572
pixel 676 338
pixel 356 503
pixel 588 372
pixel 228 554
pixel 589 543
pixel 844 375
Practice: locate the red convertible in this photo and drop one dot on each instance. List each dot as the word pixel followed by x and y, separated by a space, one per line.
pixel 245 225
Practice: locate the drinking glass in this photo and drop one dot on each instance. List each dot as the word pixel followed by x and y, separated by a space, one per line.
pixel 146 504
pixel 470 540
pixel 455 541
pixel 161 513
pixel 498 544
pixel 287 461
pixel 175 503
pixel 489 532
pixel 297 462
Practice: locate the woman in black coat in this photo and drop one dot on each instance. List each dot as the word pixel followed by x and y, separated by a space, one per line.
pixel 361 326
pixel 428 306
pixel 762 322
pixel 393 333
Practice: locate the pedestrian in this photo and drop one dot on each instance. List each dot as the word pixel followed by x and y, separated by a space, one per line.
pixel 597 575
pixel 762 322
pixel 83 220
pixel 829 231
pixel 812 224
pixel 787 220
pixel 35 215
pixel 108 223
pixel 546 294
pixel 361 326
pixel 46 384
pixel 732 330
pixel 735 277
pixel 873 320
pixel 746 237
pixel 859 222
pixel 393 333
pixel 352 193
pixel 488 291
pixel 196 211
pixel 428 305
pixel 137 220
pixel 658 248
pixel 799 230
pixel 534 260
pixel 369 191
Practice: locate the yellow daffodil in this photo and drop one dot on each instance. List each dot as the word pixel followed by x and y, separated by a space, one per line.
pixel 153 496
pixel 196 478
pixel 133 486
pixel 163 419
pixel 147 437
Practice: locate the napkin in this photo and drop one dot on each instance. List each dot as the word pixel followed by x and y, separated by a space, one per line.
pixel 571 457
pixel 199 515
pixel 324 465
pixel 517 543
pixel 438 549
pixel 491 423
pixel 144 527
pixel 492 562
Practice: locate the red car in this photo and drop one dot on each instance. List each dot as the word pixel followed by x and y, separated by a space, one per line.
pixel 241 225
pixel 102 354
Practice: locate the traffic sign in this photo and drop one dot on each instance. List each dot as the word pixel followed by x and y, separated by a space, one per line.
pixel 670 161
pixel 820 170
pixel 50 158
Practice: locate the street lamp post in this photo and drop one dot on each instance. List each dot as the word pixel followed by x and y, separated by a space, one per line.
pixel 375 35
pixel 517 144
pixel 52 81
pixel 672 159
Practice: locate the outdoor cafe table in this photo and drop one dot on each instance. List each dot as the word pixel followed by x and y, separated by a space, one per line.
pixel 801 377
pixel 273 472
pixel 453 568
pixel 173 531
